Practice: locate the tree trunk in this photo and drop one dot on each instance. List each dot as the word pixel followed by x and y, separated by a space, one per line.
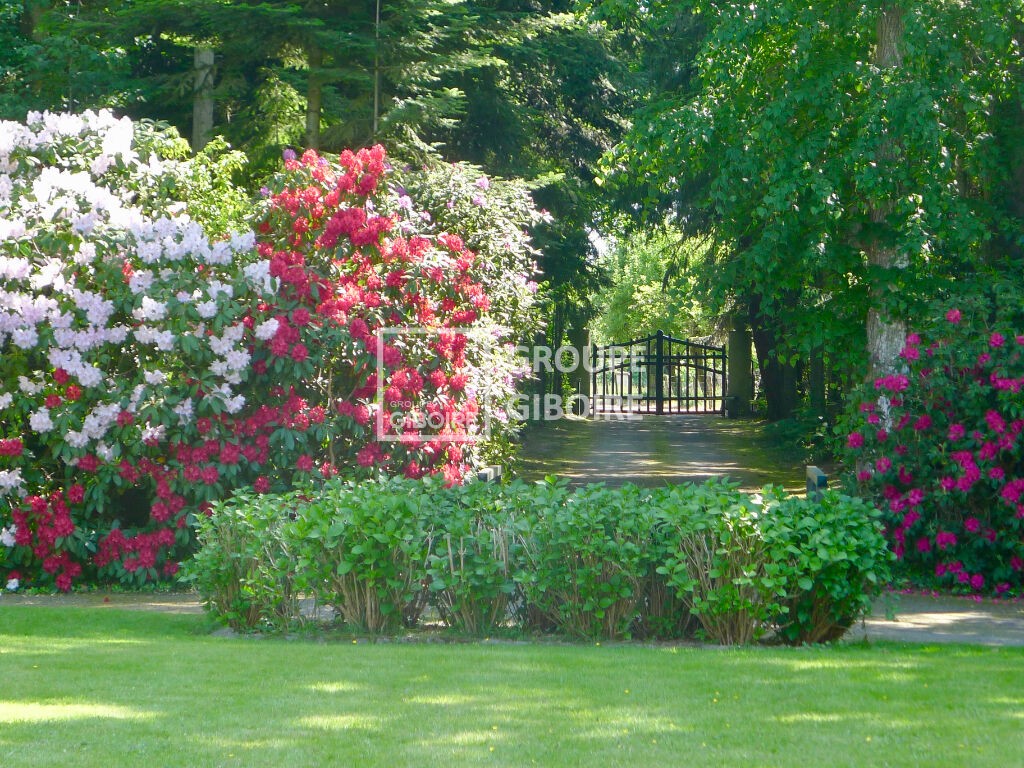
pixel 886 335
pixel 31 14
pixel 816 382
pixel 740 377
pixel 376 71
pixel 778 378
pixel 314 97
pixel 202 97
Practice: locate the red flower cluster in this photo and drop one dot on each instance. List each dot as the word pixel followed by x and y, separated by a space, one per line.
pixel 44 525
pixel 11 447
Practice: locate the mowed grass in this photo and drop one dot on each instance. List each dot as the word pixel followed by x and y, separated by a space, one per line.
pixel 107 687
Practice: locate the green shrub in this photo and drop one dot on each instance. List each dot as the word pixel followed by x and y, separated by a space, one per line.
pixel 827 559
pixel 593 562
pixel 244 569
pixel 586 560
pixel 716 561
pixel 476 556
pixel 661 614
pixel 363 549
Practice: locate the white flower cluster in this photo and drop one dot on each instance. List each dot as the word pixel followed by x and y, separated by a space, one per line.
pixel 150 310
pixel 76 182
pixel 7 536
pixel 232 403
pixel 233 357
pixel 10 481
pixel 161 339
pixel 267 330
pixel 185 411
pixel 258 274
pixel 99 420
pixel 40 421
pixel 28 386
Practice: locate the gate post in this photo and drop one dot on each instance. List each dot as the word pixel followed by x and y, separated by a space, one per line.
pixel 739 381
pixel 659 372
pixel 580 378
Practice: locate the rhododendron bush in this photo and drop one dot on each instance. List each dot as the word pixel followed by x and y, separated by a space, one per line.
pixel 149 368
pixel 940 447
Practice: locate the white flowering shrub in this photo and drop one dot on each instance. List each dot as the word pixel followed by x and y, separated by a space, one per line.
pixel 120 327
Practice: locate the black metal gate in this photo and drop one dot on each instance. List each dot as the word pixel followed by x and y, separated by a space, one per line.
pixel 659 375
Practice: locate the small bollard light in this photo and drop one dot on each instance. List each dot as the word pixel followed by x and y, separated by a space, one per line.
pixel 491 474
pixel 817 483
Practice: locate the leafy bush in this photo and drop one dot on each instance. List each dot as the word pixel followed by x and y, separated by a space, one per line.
pixel 825 559
pixel 592 562
pixel 585 560
pixel 717 560
pixel 244 569
pixel 746 566
pixel 363 549
pixel 476 558
pixel 661 614
pixel 940 448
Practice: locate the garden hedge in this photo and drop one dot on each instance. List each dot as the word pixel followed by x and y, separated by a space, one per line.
pixel 593 562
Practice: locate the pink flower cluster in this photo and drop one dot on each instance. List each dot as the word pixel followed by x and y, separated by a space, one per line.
pixel 940 446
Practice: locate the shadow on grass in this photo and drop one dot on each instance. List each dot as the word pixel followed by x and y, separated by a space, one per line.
pixel 176 699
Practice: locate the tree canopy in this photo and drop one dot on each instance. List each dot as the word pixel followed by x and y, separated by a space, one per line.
pixel 840 163
pixel 845 160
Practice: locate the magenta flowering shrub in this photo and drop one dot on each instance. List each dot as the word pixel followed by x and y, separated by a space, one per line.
pixel 939 447
pixel 149 368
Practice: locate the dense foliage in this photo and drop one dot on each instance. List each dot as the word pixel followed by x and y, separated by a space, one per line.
pixel 651 288
pixel 593 562
pixel 940 447
pixel 149 368
pixel 845 158
pixel 524 89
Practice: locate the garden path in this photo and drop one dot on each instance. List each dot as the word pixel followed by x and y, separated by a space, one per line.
pixel 902 618
pixel 659 449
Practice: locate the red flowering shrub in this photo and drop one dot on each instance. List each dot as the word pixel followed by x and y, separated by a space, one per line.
pixel 372 324
pixel 940 447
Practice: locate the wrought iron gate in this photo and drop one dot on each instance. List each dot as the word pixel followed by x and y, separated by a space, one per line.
pixel 658 374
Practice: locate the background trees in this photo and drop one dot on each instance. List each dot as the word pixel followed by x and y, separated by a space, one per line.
pixel 522 88
pixel 847 160
pixel 841 162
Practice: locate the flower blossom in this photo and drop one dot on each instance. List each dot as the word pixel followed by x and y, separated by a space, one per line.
pixel 40 421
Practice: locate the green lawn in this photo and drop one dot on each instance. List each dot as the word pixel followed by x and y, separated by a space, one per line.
pixel 106 687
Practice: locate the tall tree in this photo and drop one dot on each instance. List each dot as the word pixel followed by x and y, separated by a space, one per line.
pixel 885 335
pixel 841 157
pixel 551 100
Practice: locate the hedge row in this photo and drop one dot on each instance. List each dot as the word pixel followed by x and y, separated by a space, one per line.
pixel 677 562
